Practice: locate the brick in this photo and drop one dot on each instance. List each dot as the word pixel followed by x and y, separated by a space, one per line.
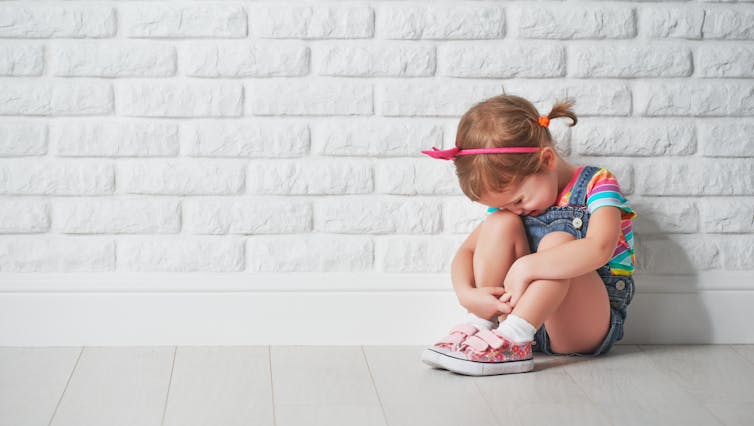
pixel 178 99
pixel 701 176
pixel 592 97
pixel 56 177
pixel 502 60
pixel 116 216
pixel 227 138
pixel 156 20
pixel 55 98
pixel 410 177
pixel 728 215
pixel 374 137
pixel 738 252
pixel 461 215
pixel 21 60
pixel 312 22
pixel 377 61
pixel 629 61
pixel 726 138
pixel 110 138
pixel 468 21
pixel 246 216
pixel 377 216
pixel 682 22
pixel 24 216
pixel 676 254
pixel 114 59
pixel 434 98
pixel 729 23
pixel 694 98
pixel 181 254
pixel 325 97
pixel 244 59
pixel 725 61
pixel 50 20
pixel 566 22
pixel 659 215
pixel 181 177
pixel 56 254
pixel 312 176
pixel 633 138
pixel 22 138
pixel 309 253
pixel 416 254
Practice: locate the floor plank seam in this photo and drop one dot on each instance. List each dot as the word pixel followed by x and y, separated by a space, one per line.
pixel 374 384
pixel 70 377
pixel 170 383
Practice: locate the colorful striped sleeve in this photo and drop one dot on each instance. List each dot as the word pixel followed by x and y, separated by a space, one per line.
pixel 603 190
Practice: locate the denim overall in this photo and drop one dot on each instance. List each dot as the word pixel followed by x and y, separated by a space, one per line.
pixel 574 219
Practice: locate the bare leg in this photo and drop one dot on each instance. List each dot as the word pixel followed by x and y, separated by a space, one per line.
pixel 501 241
pixel 575 311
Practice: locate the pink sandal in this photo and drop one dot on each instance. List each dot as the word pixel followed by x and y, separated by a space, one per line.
pixel 450 343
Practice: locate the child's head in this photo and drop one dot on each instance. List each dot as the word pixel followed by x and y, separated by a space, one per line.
pixel 498 122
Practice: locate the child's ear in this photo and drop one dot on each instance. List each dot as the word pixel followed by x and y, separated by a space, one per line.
pixel 549 158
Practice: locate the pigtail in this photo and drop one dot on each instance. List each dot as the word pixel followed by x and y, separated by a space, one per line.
pixel 564 109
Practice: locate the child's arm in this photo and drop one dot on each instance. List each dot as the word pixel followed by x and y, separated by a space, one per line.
pixel 578 257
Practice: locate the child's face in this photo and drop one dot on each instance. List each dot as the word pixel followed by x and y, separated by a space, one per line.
pixel 531 197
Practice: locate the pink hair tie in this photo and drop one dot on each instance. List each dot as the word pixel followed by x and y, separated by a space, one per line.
pixel 452 153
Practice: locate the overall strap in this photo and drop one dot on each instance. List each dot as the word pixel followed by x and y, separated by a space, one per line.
pixel 578 192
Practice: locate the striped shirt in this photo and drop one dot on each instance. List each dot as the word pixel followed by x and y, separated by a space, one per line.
pixel 603 190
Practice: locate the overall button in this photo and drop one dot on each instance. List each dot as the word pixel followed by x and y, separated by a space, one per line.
pixel 620 285
pixel 577 223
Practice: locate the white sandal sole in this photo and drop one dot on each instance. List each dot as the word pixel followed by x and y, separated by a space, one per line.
pixel 474 368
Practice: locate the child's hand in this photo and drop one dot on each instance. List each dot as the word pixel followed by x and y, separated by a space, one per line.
pixel 505 299
pixel 484 302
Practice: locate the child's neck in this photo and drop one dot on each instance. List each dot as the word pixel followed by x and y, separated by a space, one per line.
pixel 565 172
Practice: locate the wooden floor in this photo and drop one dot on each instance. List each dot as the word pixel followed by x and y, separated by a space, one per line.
pixel 371 385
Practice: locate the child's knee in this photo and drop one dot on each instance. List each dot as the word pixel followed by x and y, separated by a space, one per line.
pixel 503 222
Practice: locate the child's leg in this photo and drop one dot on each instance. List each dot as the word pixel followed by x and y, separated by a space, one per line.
pixel 501 241
pixel 576 312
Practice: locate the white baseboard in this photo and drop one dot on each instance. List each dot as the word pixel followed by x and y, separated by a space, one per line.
pixel 322 309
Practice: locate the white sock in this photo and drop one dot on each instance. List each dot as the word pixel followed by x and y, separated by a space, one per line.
pixel 517 329
pixel 489 325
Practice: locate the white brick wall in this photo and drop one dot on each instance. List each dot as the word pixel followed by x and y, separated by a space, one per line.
pixel 263 136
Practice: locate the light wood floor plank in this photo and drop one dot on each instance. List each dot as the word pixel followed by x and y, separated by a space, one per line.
pixel 32 381
pixel 414 394
pixel 117 386
pixel 329 385
pixel 630 389
pixel 220 385
pixel 746 351
pixel 711 373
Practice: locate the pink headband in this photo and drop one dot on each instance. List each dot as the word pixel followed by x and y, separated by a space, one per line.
pixel 452 153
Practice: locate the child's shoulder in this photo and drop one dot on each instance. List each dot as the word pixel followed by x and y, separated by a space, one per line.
pixel 603 180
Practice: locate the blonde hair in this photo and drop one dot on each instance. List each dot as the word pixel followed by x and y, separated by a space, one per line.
pixel 503 121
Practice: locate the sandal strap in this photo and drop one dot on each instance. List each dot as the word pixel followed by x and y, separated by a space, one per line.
pixel 458 334
pixel 475 343
pixel 453 339
pixel 490 338
pixel 468 329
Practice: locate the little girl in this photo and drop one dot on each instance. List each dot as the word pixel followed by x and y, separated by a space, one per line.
pixel 553 261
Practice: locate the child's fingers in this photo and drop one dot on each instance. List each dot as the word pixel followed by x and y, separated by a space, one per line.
pixel 506 297
pixel 495 291
pixel 504 308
